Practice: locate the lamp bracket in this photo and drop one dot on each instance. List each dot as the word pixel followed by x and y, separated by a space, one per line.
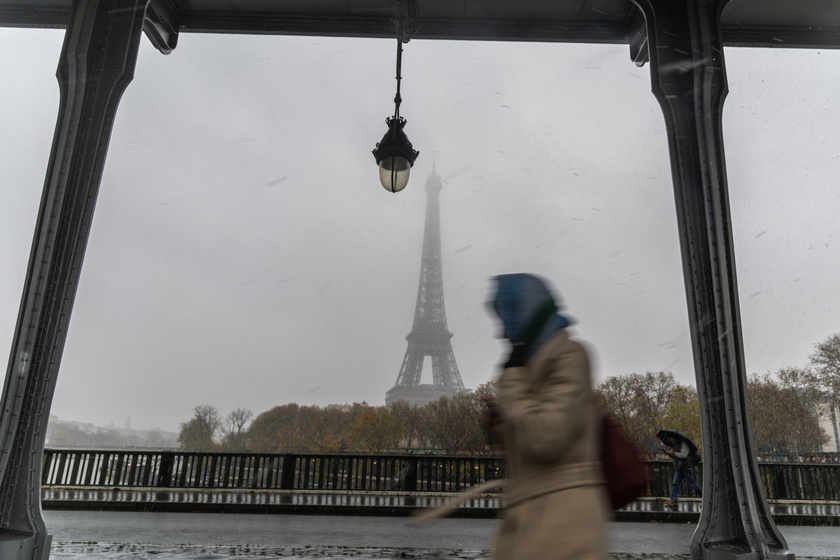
pixel 406 13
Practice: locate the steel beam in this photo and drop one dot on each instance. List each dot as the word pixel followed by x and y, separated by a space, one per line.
pixel 688 78
pixel 97 63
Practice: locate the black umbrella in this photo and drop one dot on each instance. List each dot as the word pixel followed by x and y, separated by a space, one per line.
pixel 665 434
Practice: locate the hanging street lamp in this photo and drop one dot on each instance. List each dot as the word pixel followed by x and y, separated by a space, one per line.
pixel 394 153
pixel 395 156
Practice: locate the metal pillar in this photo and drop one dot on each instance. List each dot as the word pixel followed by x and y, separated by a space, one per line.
pixel 97 63
pixel 689 81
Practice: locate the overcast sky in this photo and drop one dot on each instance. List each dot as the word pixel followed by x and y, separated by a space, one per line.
pixel 243 253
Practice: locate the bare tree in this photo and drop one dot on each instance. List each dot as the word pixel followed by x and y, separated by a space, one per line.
pixel 199 433
pixel 640 403
pixel 616 394
pixel 802 386
pixel 654 393
pixel 826 361
pixel 784 418
pixel 234 433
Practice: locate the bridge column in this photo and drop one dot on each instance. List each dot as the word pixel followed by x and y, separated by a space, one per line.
pixel 97 63
pixel 689 81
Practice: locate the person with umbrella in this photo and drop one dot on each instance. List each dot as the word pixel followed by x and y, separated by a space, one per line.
pixel 684 453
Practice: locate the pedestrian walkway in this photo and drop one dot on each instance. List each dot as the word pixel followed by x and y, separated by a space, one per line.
pixel 784 512
pixel 383 504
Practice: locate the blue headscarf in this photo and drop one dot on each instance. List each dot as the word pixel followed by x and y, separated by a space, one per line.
pixel 527 310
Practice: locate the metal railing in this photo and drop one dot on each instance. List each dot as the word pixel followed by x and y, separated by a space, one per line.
pixel 254 471
pixel 359 473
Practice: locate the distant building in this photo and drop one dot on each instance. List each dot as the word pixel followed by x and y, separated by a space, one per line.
pixel 68 434
pixel 419 395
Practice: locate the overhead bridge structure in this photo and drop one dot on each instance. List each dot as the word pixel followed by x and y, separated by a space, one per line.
pixel 681 40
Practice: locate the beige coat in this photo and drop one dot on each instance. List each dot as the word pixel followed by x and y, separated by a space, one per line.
pixel 555 504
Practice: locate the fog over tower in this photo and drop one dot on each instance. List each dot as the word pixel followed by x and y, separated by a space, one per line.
pixel 429 334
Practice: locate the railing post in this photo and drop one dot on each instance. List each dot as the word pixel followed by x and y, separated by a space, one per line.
pixel 102 479
pixel 364 473
pixel 118 470
pixel 47 464
pixel 241 477
pixel 411 475
pixel 164 478
pixel 90 468
pixel 350 477
pixel 287 474
pixel 77 463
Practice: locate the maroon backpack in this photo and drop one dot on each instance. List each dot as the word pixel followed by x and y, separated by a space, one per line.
pixel 626 476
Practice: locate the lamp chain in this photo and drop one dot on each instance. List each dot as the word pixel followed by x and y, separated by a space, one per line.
pixel 398 98
pixel 405 24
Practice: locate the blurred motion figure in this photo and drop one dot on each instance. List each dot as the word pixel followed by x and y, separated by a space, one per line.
pixel 545 417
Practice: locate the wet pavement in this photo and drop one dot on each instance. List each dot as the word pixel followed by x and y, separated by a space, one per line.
pixel 186 536
pixel 138 552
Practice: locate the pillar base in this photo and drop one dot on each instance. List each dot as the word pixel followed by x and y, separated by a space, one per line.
pixel 733 550
pixel 15 545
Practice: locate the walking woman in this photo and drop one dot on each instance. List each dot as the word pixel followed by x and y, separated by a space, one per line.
pixel 555 505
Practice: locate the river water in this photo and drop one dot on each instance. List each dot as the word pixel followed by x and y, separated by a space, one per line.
pixel 202 536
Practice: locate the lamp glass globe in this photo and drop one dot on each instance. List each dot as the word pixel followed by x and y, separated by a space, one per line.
pixel 394 172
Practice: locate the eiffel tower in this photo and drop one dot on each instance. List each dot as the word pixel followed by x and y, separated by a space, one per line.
pixel 429 334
